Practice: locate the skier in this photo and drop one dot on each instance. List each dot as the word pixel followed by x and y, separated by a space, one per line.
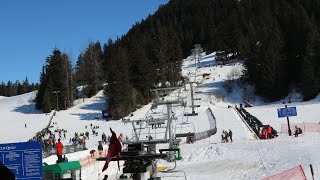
pixel 25 125
pixel 230 135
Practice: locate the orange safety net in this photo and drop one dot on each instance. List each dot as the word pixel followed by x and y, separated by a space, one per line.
pixel 295 173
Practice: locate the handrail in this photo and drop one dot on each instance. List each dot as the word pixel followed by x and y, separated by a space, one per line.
pixel 245 122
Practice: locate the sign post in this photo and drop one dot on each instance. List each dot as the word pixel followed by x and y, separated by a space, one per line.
pixel 23 159
pixel 289 129
pixel 287 112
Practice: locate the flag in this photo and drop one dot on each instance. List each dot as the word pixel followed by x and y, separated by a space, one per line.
pixel 113 151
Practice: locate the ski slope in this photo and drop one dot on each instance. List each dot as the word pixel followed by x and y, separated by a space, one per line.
pixel 244 159
pixel 17 111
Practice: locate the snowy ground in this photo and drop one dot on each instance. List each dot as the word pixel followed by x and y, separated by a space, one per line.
pixel 245 158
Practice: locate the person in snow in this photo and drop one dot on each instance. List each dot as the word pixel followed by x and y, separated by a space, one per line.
pixel 296 131
pixel 222 137
pixel 263 133
pixel 25 125
pixel 226 135
pixel 230 135
pixel 59 149
pixel 269 130
pixel 100 148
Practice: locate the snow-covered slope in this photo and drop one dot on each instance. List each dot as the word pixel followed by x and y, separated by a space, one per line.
pixel 206 159
pixel 17 111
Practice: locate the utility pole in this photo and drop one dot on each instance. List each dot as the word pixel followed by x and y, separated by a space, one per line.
pixel 56 92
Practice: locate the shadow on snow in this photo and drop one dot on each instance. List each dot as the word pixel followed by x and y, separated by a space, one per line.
pixel 27 109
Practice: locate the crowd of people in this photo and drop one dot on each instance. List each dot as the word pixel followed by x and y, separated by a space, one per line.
pixel 225 136
pixel 46 136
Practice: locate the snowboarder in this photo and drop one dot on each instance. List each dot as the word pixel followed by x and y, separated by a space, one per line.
pixel 230 135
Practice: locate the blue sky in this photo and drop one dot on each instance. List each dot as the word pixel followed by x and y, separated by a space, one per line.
pixel 31 29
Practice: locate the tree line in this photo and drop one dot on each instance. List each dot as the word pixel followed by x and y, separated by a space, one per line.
pixel 12 89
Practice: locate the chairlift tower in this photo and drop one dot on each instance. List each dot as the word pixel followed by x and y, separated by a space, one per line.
pixel 193 113
pixel 196 52
pixel 149 159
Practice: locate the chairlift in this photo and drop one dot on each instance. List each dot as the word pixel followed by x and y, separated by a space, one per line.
pixel 185 128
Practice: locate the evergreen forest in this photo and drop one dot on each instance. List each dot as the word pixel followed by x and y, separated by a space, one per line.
pixel 278 40
pixel 12 89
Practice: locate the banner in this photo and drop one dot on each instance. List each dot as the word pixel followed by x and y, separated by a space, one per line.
pixel 296 173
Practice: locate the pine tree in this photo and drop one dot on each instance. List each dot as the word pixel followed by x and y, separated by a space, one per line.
pixel 9 89
pixel 119 90
pixel 3 89
pixel 55 76
pixel 89 69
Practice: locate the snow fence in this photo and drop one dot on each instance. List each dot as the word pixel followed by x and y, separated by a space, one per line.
pixel 46 152
pixel 295 173
pixel 208 133
pixel 306 127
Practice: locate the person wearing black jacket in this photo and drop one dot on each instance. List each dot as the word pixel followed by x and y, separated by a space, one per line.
pixel 230 135
pixel 100 148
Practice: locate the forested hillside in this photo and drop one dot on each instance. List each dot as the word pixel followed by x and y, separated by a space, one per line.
pixel 279 41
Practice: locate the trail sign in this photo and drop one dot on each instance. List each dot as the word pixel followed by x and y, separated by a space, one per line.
pixel 23 159
pixel 105 114
pixel 287 112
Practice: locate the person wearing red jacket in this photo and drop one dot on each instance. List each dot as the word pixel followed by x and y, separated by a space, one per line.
pixel 59 149
pixel 263 133
pixel 269 132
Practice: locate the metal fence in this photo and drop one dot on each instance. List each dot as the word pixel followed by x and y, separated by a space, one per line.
pixel 46 152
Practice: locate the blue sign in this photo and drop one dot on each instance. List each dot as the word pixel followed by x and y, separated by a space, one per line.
pixel 23 159
pixel 105 114
pixel 287 112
